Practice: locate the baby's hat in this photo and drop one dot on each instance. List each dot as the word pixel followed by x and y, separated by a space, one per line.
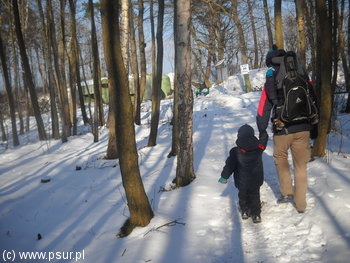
pixel 246 139
pixel 245 131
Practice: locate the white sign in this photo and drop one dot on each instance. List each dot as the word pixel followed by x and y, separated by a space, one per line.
pixel 244 69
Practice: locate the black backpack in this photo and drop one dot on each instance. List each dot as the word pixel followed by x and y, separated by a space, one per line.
pixel 295 104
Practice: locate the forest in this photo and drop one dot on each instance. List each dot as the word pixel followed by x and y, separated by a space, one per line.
pixel 49 49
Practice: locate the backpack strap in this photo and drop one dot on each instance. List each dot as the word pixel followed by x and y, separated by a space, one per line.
pixel 291 65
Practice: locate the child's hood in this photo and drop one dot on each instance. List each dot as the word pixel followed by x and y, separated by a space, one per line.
pixel 246 139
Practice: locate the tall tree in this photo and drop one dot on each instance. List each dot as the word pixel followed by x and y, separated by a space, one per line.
pixel 135 70
pixel 255 38
pixel 211 44
pixel 48 63
pixel 157 79
pixel 301 51
pixel 2 127
pixel 75 63
pixel 182 24
pixel 98 109
pixel 242 42
pixel 16 79
pixel 60 54
pixel 8 87
pixel 278 24
pixel 124 32
pixel 335 52
pixel 58 72
pixel 343 56
pixel 28 73
pixel 139 207
pixel 142 50
pixel 175 121
pixel 268 23
pixel 325 56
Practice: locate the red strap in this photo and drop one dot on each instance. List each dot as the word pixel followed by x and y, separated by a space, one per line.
pixel 261 147
pixel 262 101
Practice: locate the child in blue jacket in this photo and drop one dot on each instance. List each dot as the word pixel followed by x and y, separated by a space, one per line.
pixel 245 163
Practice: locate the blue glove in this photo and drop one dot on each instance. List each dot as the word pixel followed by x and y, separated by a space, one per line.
pixel 222 180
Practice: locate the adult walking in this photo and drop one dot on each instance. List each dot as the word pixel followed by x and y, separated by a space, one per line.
pixel 293 136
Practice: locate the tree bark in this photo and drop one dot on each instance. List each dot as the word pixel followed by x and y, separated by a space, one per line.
pixel 28 73
pixel 157 79
pixel 211 45
pixel 98 109
pixel 75 59
pixel 278 24
pixel 343 54
pixel 135 70
pixel 242 42
pixel 311 29
pixel 184 170
pixel 16 79
pixel 142 46
pixel 268 23
pixel 9 92
pixel 60 54
pixel 326 75
pixel 48 60
pixel 255 38
pixel 139 207
pixel 175 121
pixel 2 127
pixel 300 10
pixel 124 33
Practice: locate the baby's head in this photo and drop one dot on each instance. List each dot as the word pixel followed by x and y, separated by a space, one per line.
pixel 246 139
pixel 245 131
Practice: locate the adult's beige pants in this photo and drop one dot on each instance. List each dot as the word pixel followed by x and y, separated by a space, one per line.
pixel 299 146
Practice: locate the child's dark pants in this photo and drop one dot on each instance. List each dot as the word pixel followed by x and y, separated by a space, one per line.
pixel 249 201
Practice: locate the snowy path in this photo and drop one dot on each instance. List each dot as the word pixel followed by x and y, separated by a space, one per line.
pixel 82 210
pixel 284 235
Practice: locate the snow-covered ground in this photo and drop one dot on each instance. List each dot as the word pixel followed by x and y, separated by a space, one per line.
pixel 81 211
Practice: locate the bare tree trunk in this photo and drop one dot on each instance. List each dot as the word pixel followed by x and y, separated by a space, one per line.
pixel 139 207
pixel 142 46
pixel 157 79
pixel 16 79
pixel 255 38
pixel 309 15
pixel 58 72
pixel 135 70
pixel 343 55
pixel 60 54
pixel 75 59
pixel 9 92
pixel 47 57
pixel 3 131
pixel 335 58
pixel 112 148
pixel 300 10
pixel 124 31
pixel 326 75
pixel 182 16
pixel 278 24
pixel 211 43
pixel 28 74
pixel 268 23
pixel 242 43
pixel 153 48
pixel 175 121
pixel 86 85
pixel 98 115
